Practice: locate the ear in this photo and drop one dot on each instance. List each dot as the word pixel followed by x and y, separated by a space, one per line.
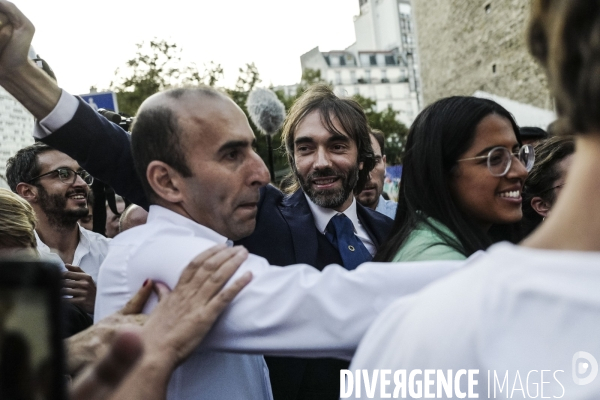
pixel 384 159
pixel 27 191
pixel 165 181
pixel 361 165
pixel 540 206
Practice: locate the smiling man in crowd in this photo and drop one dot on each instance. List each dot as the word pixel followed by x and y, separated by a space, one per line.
pixel 57 189
pixel 193 152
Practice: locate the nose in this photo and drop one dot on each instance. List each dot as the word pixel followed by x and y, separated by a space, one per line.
pixel 259 174
pixel 322 159
pixel 517 170
pixel 79 181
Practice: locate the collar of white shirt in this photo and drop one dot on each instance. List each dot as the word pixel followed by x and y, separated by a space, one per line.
pixel 83 247
pixel 323 215
pixel 158 214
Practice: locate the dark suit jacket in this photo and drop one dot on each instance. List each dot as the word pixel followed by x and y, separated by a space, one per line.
pixel 285 234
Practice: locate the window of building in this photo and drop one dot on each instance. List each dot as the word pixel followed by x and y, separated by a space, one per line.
pixel 389 60
pixel 488 8
pixel 353 77
pixel 338 78
pixel 342 60
pixel 372 59
pixel 494 68
pixel 364 59
pixel 368 76
pixel 384 78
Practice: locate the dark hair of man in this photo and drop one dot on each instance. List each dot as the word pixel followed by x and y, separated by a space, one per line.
pixel 548 154
pixel 440 134
pixel 351 118
pixel 378 135
pixel 156 135
pixel 24 166
pixel 532 132
pixel 563 37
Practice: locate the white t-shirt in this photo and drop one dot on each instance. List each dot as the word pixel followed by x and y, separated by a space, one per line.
pixel 515 310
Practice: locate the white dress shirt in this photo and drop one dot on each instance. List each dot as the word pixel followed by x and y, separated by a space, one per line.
pixel 89 254
pixel 511 309
pixel 323 215
pixel 292 311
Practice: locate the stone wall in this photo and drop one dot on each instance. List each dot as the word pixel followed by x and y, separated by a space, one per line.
pixel 469 45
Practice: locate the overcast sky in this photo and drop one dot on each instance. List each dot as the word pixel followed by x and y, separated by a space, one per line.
pixel 85 41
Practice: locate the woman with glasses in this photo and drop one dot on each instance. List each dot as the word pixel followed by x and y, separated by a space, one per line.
pixel 546 180
pixel 463 171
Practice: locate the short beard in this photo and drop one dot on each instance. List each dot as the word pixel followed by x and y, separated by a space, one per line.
pixel 329 198
pixel 53 206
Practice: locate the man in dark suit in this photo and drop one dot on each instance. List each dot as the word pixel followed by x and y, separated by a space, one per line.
pixel 328 146
pixel 329 150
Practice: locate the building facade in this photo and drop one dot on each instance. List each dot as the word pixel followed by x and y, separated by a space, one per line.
pixel 16 127
pixel 382 64
pixel 466 46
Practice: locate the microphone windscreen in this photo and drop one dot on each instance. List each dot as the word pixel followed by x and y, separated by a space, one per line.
pixel 265 110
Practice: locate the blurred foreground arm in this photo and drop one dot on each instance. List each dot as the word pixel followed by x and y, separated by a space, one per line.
pixel 176 326
pixel 30 85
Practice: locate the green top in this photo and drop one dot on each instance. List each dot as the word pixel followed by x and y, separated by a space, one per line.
pixel 424 244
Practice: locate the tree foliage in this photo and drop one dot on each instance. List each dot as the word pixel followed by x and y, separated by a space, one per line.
pixel 157 66
pixel 395 131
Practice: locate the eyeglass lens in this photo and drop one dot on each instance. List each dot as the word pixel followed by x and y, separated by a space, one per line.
pixel 69 176
pixel 499 159
pixel 527 156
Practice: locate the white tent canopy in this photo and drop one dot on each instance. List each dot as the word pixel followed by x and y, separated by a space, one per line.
pixel 525 114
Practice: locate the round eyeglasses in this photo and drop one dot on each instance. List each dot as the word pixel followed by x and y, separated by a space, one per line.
pixel 499 159
pixel 68 176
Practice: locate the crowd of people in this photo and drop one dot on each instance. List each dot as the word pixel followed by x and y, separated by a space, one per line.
pixel 277 291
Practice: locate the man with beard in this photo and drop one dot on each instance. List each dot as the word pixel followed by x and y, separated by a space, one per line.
pixel 318 223
pixel 57 189
pixel 371 196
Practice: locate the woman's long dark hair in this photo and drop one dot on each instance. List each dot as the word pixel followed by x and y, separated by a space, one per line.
pixel 441 133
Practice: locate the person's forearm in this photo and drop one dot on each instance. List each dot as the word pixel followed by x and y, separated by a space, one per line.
pixel 148 380
pixel 33 88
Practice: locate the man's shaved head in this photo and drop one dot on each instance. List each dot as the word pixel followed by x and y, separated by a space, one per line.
pixel 157 133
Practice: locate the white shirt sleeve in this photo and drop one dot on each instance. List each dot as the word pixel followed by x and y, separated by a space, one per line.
pixel 295 310
pixel 61 114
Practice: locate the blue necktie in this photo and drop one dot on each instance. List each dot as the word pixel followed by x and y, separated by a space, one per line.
pixel 340 232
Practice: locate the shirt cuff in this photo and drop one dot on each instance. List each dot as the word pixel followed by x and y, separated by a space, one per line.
pixel 61 114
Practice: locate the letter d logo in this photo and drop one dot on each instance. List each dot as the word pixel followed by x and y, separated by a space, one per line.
pixel 581 364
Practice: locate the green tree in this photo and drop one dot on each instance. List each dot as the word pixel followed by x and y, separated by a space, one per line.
pixel 395 131
pixel 157 66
